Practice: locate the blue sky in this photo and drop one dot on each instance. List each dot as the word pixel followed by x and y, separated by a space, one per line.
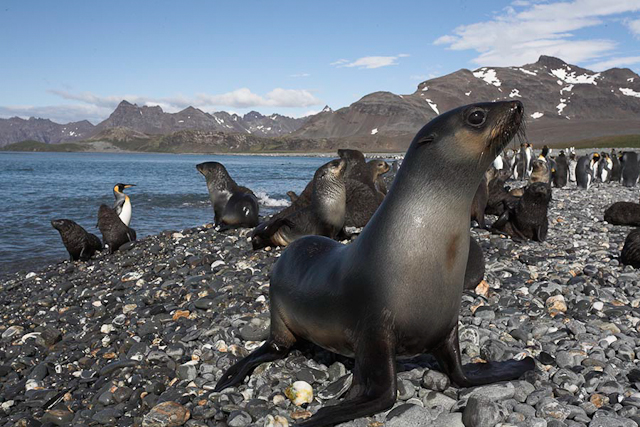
pixel 72 60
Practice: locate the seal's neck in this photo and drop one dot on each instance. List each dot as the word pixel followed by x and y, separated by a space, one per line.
pixel 428 200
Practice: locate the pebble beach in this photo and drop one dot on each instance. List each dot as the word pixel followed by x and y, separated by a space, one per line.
pixel 140 337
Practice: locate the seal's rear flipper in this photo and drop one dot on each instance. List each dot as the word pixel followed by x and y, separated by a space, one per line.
pixel 268 352
pixel 475 374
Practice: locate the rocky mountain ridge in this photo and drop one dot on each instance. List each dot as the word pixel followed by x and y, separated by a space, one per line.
pixel 564 103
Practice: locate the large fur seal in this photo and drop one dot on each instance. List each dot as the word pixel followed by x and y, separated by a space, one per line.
pixel 80 244
pixel 528 218
pixel 233 205
pixel 114 232
pixel 630 169
pixel 630 254
pixel 623 213
pixel 396 290
pixel 324 216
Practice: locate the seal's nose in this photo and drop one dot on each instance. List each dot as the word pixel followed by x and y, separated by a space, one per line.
pixel 518 107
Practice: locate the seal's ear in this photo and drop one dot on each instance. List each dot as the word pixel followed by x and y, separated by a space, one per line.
pixel 427 139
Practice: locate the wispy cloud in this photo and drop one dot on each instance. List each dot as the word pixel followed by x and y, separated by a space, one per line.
pixel 57 113
pixel 615 62
pixel 300 75
pixel 370 62
pixel 96 108
pixel 240 98
pixel 518 37
pixel 634 27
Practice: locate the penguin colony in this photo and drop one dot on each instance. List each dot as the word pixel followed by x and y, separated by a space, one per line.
pixel 337 204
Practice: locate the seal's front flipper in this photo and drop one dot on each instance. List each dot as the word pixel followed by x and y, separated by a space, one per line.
pixel 268 352
pixel 475 374
pixel 373 389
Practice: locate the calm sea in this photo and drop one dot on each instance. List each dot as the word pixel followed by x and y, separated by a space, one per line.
pixel 169 194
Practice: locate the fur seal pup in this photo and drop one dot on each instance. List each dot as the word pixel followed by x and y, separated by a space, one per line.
pixel 233 205
pixel 324 216
pixel 540 171
pixel 114 232
pixel 363 196
pixel 378 169
pixel 396 290
pixel 528 218
pixel 630 254
pixel 292 196
pixel 560 173
pixel 630 169
pixel 122 205
pixel 584 172
pixel 80 244
pixel 499 194
pixel 623 213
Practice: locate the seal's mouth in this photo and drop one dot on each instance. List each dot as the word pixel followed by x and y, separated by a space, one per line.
pixel 509 125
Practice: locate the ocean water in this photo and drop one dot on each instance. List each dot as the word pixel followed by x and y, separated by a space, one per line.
pixel 169 194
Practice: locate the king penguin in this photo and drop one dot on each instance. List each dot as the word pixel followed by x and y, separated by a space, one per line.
pixel 122 205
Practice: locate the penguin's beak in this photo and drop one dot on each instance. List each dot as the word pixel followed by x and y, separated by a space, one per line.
pixel 129 185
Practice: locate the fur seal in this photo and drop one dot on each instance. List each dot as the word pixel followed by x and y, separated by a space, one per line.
pixel 396 290
pixel 560 173
pixel 623 213
pixel 630 169
pixel 528 218
pixel 292 196
pixel 363 197
pixel 540 171
pixel 114 232
pixel 233 205
pixel 80 244
pixel 584 172
pixel 630 254
pixel 324 216
pixel 122 205
pixel 499 195
pixel 378 168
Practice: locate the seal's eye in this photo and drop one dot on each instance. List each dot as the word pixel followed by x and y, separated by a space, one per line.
pixel 476 118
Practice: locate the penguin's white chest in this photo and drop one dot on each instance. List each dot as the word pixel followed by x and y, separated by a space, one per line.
pixel 125 214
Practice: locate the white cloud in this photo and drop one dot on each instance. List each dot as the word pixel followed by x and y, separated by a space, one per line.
pixel 513 37
pixel 615 62
pixel 634 26
pixel 96 108
pixel 300 75
pixel 57 113
pixel 370 62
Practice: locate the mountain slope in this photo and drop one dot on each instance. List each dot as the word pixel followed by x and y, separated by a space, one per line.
pixel 563 103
